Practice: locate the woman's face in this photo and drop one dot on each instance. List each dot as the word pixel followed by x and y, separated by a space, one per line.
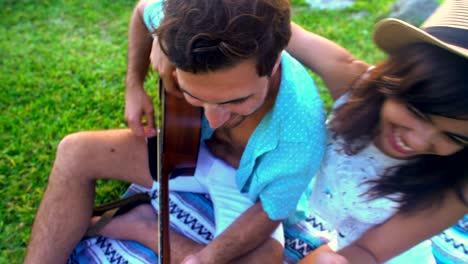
pixel 405 132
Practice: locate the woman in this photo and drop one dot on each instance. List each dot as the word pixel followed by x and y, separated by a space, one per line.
pixel 399 136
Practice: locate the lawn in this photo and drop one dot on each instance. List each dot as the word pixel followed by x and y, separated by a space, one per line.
pixel 62 70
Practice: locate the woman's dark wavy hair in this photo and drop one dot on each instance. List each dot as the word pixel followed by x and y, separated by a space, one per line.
pixel 431 79
pixel 208 35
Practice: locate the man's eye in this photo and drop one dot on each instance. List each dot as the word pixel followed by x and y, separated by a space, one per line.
pixel 240 101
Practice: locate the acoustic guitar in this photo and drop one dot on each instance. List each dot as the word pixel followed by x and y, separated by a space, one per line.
pixel 177 148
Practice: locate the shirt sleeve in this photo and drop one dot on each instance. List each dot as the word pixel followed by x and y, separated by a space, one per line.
pixel 287 171
pixel 153 14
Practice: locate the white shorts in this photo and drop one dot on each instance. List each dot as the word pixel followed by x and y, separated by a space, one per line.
pixel 218 179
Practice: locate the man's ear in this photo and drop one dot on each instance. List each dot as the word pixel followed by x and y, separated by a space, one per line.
pixel 277 64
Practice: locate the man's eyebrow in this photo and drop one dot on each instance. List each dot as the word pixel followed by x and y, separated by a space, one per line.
pixel 220 103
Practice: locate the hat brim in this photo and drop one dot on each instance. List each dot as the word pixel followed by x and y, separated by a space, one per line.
pixel 392 34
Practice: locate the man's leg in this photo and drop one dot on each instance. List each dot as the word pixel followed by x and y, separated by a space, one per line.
pixel 66 206
pixel 141 225
pixel 271 251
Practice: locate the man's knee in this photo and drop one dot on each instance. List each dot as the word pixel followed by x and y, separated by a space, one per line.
pixel 71 146
pixel 71 156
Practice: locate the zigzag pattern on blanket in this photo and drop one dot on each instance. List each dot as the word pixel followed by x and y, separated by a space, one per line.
pixel 299 246
pixel 181 209
pixel 316 224
pixel 110 252
pixel 453 242
pixel 187 219
pixel 103 247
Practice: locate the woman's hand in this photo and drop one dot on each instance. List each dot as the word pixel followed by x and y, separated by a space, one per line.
pixel 327 257
pixel 324 255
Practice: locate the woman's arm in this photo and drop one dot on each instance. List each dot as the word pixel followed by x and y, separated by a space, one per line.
pixel 396 235
pixel 336 66
pixel 404 230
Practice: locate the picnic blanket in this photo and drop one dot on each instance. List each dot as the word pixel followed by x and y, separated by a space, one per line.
pixel 191 214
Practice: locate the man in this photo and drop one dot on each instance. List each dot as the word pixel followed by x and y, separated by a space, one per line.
pixel 263 123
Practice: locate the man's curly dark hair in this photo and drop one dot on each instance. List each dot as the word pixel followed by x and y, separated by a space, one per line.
pixel 200 36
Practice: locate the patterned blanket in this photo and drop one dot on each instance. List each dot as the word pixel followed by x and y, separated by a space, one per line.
pixel 191 214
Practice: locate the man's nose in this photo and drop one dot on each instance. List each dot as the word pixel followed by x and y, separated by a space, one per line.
pixel 216 115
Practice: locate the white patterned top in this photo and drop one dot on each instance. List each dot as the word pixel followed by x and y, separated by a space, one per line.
pixel 338 196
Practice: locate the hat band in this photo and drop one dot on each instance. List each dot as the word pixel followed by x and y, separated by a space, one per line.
pixel 454 36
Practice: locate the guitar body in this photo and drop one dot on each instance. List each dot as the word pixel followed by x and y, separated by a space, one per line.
pixel 178 144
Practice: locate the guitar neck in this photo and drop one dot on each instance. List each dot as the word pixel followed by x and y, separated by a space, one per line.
pixel 178 143
pixel 163 199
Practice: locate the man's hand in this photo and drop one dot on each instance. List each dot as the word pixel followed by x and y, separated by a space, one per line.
pixel 137 102
pixel 249 231
pixel 138 105
pixel 166 70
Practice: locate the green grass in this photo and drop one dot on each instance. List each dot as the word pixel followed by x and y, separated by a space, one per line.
pixel 62 67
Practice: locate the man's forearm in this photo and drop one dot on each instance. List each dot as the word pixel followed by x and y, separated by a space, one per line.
pixel 246 233
pixel 139 48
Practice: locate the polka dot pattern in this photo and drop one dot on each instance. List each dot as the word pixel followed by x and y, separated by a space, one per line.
pixel 286 149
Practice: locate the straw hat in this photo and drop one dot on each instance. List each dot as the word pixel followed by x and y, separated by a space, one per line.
pixel 446 28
